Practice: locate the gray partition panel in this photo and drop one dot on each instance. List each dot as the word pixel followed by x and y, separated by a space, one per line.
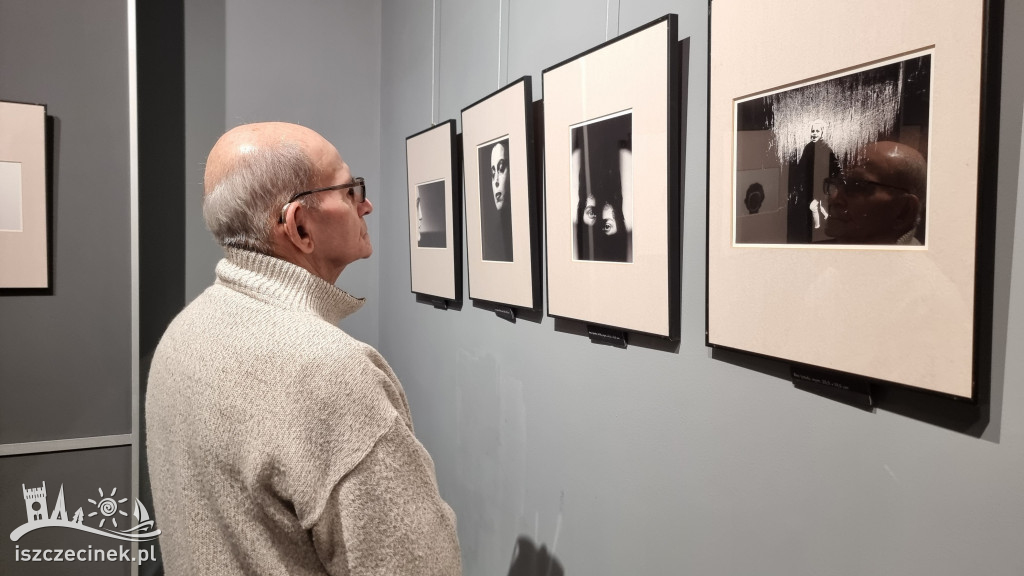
pixel 65 359
pixel 81 476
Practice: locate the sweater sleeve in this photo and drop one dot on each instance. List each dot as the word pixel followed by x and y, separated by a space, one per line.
pixel 386 517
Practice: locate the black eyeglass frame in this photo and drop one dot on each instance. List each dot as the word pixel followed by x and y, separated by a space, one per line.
pixel 839 181
pixel 357 182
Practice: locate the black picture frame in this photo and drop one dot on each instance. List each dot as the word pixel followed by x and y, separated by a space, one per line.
pixel 503 243
pixel 616 134
pixel 26 226
pixel 435 215
pixel 914 313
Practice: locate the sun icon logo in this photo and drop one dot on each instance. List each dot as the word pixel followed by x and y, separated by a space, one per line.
pixel 108 507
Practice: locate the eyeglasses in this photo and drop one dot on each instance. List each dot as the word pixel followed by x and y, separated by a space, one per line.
pixel 357 185
pixel 834 185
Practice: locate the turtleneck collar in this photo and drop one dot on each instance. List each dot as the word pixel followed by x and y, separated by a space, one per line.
pixel 284 284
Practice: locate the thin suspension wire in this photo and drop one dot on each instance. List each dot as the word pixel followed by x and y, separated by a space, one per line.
pixel 501 5
pixel 433 64
pixel 608 18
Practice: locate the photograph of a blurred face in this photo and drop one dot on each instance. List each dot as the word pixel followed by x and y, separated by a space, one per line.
pixel 430 215
pixel 601 177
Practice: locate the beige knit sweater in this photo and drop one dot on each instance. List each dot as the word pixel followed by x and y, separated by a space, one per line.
pixel 278 444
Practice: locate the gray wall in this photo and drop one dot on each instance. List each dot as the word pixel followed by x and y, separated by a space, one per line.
pixel 636 461
pixel 651 462
pixel 66 359
pixel 309 62
pixel 204 123
pixel 81 474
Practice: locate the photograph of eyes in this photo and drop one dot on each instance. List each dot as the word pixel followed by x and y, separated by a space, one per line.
pixel 849 158
pixel 495 203
pixel 601 182
pixel 430 215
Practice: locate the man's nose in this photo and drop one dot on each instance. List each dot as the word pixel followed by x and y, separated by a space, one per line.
pixel 366 207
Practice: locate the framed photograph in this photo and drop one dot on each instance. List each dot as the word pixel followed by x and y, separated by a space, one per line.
pixel 611 133
pixel 24 226
pixel 502 220
pixel 435 211
pixel 844 193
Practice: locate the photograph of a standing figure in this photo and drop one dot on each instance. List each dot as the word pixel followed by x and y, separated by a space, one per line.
pixel 495 204
pixel 602 189
pixel 851 153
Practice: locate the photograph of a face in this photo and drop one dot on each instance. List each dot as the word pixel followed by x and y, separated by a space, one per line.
pixel 430 211
pixel 502 218
pixel 495 203
pixel 851 157
pixel 601 180
pixel 611 172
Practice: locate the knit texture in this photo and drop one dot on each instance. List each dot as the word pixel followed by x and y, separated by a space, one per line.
pixel 279 444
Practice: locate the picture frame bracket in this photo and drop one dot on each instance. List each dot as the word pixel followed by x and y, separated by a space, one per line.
pixel 606 336
pixel 505 313
pixel 835 385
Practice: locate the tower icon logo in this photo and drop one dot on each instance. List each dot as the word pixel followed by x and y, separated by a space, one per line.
pixel 107 509
pixel 35 503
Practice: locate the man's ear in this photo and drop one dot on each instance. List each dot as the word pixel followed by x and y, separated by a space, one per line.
pixel 908 208
pixel 297 227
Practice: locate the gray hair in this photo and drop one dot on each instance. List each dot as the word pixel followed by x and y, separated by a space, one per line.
pixel 244 205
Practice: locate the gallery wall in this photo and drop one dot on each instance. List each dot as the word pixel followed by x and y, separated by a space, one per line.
pixel 66 358
pixel 308 62
pixel 678 461
pixel 85 390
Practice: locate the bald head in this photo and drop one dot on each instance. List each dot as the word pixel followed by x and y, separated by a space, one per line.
pixel 897 165
pixel 881 199
pixel 246 142
pixel 251 172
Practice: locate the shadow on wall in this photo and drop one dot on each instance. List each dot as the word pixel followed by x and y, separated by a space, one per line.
pixel 528 560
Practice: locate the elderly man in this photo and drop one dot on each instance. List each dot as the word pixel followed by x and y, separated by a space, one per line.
pixel 881 199
pixel 279 444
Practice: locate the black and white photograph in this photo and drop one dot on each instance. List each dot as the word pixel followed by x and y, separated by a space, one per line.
pixel 430 215
pixel 850 154
pixel 495 202
pixel 435 215
pixel 880 132
pixel 612 134
pixel 602 184
pixel 502 216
